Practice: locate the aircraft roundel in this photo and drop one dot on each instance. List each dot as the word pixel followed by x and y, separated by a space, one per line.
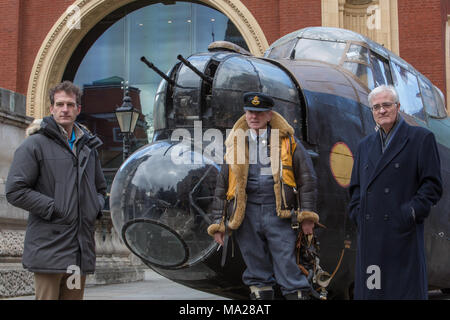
pixel 341 163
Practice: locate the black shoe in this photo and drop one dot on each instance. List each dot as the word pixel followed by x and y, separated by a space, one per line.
pixel 299 295
pixel 262 295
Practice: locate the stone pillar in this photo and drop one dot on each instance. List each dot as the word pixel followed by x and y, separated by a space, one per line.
pixel 14 280
pixel 115 263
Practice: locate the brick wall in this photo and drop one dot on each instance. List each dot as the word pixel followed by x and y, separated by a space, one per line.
pixel 25 24
pixel 278 18
pixel 9 26
pixel 23 28
pixel 421 36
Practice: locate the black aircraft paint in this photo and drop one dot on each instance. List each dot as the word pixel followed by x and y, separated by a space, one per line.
pixel 320 79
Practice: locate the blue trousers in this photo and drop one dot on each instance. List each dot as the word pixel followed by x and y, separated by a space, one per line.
pixel 267 244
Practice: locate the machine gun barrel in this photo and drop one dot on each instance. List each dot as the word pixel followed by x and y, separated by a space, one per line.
pixel 198 72
pixel 154 68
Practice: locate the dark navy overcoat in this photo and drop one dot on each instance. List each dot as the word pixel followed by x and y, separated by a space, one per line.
pixel 385 188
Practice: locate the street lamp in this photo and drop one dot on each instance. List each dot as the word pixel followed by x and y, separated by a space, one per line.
pixel 127 117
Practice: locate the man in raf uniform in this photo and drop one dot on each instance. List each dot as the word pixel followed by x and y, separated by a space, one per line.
pixel 265 188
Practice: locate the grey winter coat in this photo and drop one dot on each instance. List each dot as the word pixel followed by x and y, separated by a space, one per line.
pixel 63 193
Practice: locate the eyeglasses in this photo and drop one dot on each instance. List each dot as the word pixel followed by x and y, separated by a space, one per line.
pixel 385 105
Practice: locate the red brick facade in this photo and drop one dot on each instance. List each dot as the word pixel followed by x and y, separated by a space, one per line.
pixel 26 23
pixel 23 28
pixel 422 37
pixel 281 17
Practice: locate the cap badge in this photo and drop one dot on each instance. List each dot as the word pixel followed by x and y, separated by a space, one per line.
pixel 256 101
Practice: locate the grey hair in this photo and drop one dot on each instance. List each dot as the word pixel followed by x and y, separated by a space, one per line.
pixel 383 88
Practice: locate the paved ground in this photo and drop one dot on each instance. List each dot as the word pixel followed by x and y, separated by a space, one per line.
pixel 156 287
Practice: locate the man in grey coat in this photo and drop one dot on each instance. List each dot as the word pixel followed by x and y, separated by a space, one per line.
pixel 56 176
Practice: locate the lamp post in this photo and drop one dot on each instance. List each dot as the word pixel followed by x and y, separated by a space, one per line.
pixel 127 117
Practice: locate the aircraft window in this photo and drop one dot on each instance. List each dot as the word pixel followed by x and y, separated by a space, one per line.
pixel 439 96
pixel 328 51
pixel 275 81
pixel 159 114
pixel 282 51
pixel 159 110
pixel 363 72
pixel 187 77
pixel 228 77
pixel 156 243
pixel 358 53
pixel 429 102
pixel 381 70
pixel 408 90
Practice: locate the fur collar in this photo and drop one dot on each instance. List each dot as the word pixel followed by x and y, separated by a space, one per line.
pixel 277 122
pixel 239 164
pixel 35 126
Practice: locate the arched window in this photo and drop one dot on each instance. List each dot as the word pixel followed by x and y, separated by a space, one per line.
pixel 107 62
pixel 108 58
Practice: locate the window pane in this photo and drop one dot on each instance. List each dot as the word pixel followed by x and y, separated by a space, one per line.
pixel 440 100
pixel 228 73
pixel 381 70
pixel 358 53
pixel 428 98
pixel 188 78
pixel 363 72
pixel 159 32
pixel 282 51
pixel 159 115
pixel 327 51
pixel 408 90
pixel 276 81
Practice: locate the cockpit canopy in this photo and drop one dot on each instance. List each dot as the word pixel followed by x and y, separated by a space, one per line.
pixel 367 61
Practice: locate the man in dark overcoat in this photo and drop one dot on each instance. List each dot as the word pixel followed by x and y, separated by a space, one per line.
pixel 395 181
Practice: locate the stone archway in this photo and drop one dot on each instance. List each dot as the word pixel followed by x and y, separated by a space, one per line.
pixel 82 16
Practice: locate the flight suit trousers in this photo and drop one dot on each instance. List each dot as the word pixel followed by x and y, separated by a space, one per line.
pixel 267 245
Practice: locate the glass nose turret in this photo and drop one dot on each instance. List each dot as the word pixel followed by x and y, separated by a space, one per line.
pixel 161 207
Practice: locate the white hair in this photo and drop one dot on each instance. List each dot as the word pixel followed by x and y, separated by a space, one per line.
pixel 383 88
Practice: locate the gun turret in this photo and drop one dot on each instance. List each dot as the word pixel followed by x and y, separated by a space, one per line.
pixel 198 72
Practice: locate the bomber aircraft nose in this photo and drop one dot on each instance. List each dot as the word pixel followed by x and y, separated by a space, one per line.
pixel 160 207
